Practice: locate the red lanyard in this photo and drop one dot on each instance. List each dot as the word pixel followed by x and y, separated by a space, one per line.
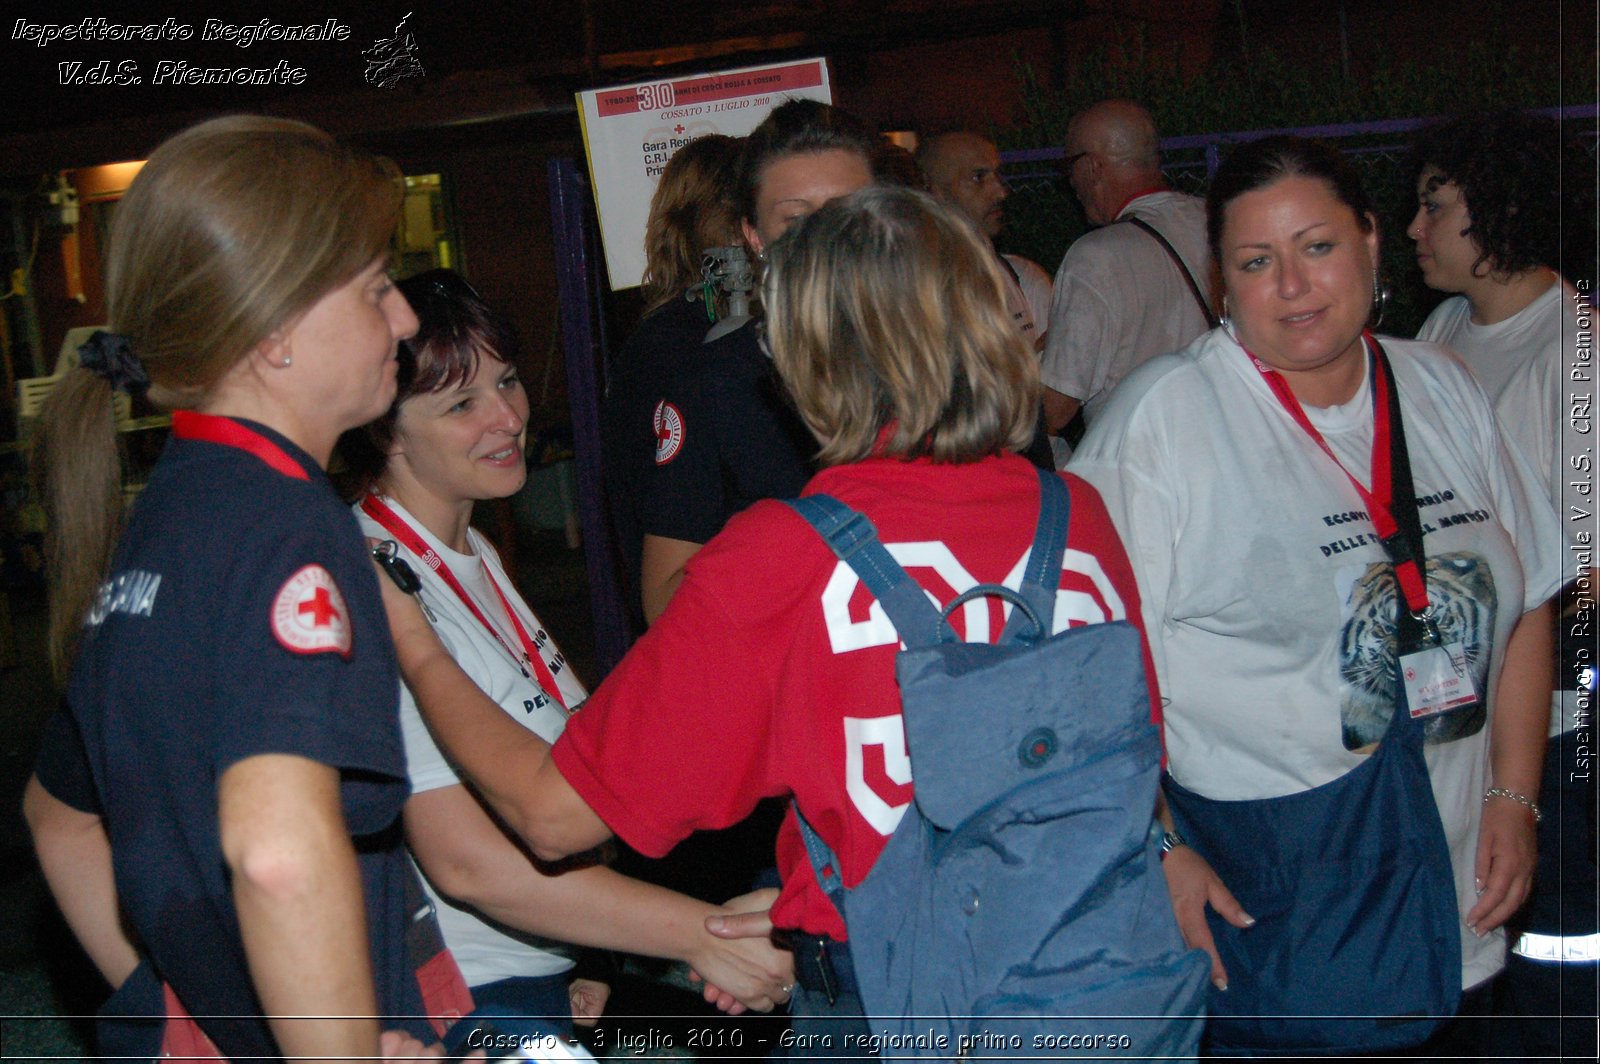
pixel 213 428
pixel 1380 499
pixel 396 526
pixel 1137 195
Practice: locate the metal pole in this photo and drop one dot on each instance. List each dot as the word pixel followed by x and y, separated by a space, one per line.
pixel 571 226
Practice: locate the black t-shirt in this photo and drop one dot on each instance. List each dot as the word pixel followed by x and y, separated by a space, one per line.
pixel 667 340
pixel 727 435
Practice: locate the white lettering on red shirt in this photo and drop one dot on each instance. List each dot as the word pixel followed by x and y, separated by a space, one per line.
pixel 872 793
pixel 888 735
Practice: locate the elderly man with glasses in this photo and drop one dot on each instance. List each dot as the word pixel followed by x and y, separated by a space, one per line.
pixel 1136 285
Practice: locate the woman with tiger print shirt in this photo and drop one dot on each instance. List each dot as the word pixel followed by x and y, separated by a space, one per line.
pixel 1247 475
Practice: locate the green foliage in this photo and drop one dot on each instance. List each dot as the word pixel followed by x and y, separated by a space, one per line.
pixel 1268 91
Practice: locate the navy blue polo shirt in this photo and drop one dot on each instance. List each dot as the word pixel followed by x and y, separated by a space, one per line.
pixel 727 435
pixel 241 618
pixel 668 339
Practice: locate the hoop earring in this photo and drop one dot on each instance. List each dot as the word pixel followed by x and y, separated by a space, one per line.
pixel 1381 294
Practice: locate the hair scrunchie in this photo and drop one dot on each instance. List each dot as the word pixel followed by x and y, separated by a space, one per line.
pixel 111 356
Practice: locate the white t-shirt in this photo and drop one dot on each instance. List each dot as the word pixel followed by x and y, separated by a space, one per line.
pixel 484 952
pixel 1523 364
pixel 1266 594
pixel 1119 298
pixel 1033 284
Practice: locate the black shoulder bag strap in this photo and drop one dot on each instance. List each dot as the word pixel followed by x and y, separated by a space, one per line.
pixel 1177 260
pixel 1406 543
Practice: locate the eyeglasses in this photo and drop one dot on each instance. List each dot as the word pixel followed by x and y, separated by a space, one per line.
pixel 436 291
pixel 449 284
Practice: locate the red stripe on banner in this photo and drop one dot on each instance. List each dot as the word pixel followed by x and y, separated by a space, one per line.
pixel 617 102
pixel 714 87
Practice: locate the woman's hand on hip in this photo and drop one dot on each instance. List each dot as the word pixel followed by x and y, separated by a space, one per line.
pixel 1194 885
pixel 1504 868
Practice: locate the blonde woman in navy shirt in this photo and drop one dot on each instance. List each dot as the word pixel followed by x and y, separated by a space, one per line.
pixel 216 810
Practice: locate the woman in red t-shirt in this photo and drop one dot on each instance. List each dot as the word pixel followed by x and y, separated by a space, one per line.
pixel 771 673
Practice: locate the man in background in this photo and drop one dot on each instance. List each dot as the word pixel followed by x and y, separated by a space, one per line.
pixel 1125 292
pixel 963 169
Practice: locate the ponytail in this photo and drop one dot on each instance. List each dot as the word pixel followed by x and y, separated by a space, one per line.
pixel 232 229
pixel 79 473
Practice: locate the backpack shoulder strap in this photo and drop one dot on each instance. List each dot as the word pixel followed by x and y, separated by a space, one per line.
pixel 851 536
pixel 823 861
pixel 1042 578
pixel 1177 260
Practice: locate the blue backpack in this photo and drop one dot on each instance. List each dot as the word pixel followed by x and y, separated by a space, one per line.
pixel 1019 908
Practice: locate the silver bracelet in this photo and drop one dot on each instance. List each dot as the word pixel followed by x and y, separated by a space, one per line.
pixel 1520 799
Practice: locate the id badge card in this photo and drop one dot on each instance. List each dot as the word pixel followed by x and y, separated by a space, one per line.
pixel 1437 679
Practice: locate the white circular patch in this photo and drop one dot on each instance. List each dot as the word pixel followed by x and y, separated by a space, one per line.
pixel 309 615
pixel 668 423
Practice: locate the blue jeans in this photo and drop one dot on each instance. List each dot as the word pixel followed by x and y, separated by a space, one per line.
pixel 818 1029
pixel 521 1007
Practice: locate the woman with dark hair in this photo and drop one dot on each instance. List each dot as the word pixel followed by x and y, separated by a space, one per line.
pixel 1492 214
pixel 722 432
pixel 1345 575
pixel 1497 195
pixel 772 671
pixel 215 808
pixel 691 212
pixel 725 433
pixel 453 437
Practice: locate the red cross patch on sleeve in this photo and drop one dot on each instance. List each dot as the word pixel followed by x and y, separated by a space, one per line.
pixel 309 614
pixel 669 432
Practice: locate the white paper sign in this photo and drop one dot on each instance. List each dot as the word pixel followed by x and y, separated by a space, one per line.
pixel 629 133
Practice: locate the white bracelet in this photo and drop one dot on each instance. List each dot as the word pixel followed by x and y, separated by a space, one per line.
pixel 1520 799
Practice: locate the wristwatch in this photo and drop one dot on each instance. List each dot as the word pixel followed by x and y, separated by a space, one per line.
pixel 1167 840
